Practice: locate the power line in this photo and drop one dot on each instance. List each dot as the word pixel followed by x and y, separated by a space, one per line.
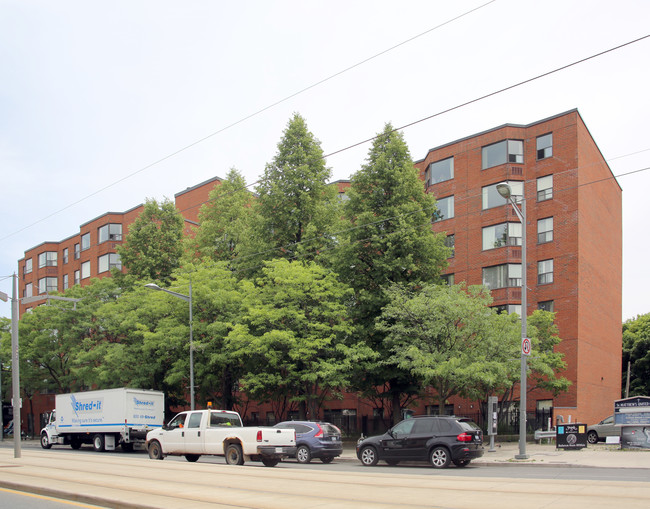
pixel 453 108
pixel 251 115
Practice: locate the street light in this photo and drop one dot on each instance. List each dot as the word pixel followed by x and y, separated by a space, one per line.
pixel 505 191
pixel 186 298
pixel 15 370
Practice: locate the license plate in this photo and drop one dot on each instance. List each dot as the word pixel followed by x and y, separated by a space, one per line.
pixel 278 450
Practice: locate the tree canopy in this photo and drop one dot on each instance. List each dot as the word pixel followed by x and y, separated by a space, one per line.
pixel 636 351
pixel 153 247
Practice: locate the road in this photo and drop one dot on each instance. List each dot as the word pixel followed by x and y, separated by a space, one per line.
pixel 134 481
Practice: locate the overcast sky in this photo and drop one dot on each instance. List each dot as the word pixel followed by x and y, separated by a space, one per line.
pixel 92 93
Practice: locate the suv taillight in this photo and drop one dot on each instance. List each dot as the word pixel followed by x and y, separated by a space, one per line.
pixel 464 437
pixel 320 431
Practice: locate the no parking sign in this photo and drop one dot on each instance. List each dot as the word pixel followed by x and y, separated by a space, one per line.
pixel 525 346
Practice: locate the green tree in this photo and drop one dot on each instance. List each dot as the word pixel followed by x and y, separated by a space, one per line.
pixel 5 354
pixel 152 247
pixel 389 241
pixel 226 223
pixel 292 336
pixel 298 209
pixel 636 351
pixel 445 336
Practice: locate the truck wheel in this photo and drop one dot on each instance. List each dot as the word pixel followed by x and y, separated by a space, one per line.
pixel 303 454
pixel 45 442
pixel 270 462
pixel 192 458
pixel 127 446
pixel 234 455
pixel 75 443
pixel 98 442
pixel 155 451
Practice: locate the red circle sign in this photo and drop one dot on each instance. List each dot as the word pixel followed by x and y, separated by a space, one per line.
pixel 525 346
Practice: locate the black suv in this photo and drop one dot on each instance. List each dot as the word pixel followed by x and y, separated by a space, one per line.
pixel 438 439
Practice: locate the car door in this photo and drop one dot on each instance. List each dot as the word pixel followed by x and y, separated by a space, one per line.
pixel 607 428
pixel 193 441
pixel 415 444
pixel 174 434
pixel 393 442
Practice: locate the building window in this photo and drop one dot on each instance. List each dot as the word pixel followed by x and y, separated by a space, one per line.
pixel 29 290
pixel 85 270
pixel 544 272
pixel 111 231
pixel 450 242
pixel 506 151
pixel 85 241
pixel 545 146
pixel 47 284
pixel 492 198
pixel 502 276
pixel 545 188
pixel 445 208
pixel 546 305
pixel 65 256
pixel 28 266
pixel 77 251
pixel 77 277
pixel 47 259
pixel 448 279
pixel 499 235
pixel 508 308
pixel 544 230
pixel 65 282
pixel 440 171
pixel 109 261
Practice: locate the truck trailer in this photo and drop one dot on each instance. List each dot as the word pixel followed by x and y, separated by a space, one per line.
pixel 105 418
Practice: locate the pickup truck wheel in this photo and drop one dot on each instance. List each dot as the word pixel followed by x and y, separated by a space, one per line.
pixel 192 458
pixel 303 454
pixel 234 455
pixel 45 442
pixel 368 456
pixel 155 451
pixel 98 442
pixel 270 462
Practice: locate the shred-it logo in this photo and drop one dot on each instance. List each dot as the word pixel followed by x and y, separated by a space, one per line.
pixel 142 402
pixel 86 405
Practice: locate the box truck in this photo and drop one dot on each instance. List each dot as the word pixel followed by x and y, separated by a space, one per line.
pixel 105 419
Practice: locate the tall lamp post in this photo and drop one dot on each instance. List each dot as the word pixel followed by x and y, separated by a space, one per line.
pixel 188 299
pixel 15 370
pixel 505 191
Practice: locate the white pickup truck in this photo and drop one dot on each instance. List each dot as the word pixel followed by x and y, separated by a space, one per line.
pixel 220 433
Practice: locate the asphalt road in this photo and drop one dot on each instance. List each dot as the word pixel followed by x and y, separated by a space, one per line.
pixel 134 481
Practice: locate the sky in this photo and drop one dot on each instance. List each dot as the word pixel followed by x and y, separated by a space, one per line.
pixel 105 104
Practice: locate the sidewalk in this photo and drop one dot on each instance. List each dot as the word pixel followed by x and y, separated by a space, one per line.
pixel 599 455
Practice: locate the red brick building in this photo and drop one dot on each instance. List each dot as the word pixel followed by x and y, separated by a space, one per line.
pixel 574 249
pixel 574 242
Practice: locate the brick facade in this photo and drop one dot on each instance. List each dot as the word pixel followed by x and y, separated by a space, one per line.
pixel 586 249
